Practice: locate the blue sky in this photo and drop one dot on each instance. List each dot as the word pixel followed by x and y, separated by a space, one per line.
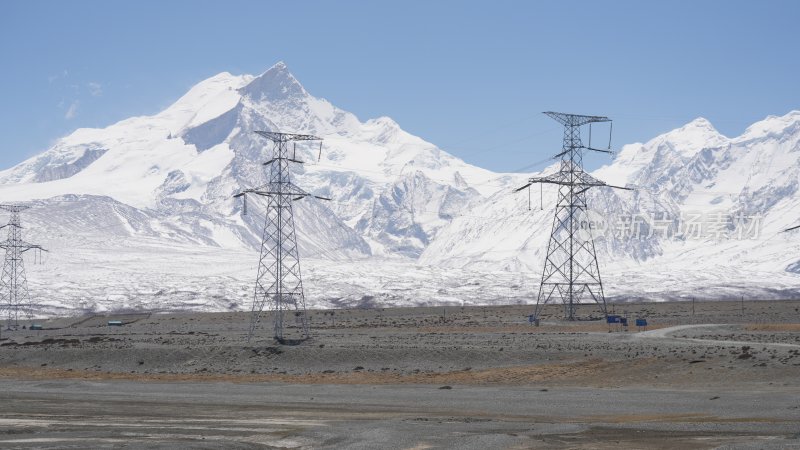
pixel 471 77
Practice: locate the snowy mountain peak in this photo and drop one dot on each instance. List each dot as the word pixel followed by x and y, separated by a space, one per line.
pixel 639 163
pixel 180 167
pixel 276 84
pixel 385 121
pixel 700 122
pixel 692 137
pixel 204 101
pixel 772 126
pixel 148 185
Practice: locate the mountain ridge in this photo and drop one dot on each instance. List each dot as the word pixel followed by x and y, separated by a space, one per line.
pixel 400 205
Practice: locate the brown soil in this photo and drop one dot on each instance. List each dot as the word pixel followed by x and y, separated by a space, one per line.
pixel 584 370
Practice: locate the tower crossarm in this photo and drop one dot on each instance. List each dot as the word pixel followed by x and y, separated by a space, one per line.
pixel 600 150
pixel 575 120
pixel 27 247
pixel 274 189
pixel 22 245
pixel 580 179
pixel 286 137
pixel 278 158
pixel 13 208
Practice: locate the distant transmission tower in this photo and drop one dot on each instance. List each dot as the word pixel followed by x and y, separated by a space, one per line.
pixel 14 298
pixel 279 286
pixel 571 272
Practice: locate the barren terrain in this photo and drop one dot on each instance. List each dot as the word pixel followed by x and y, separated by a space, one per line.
pixel 725 374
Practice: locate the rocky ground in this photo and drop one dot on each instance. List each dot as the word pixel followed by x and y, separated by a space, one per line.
pixel 700 376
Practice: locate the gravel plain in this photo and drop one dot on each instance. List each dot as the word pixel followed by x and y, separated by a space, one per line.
pixel 708 375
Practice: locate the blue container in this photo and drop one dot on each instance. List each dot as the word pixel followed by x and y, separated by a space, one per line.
pixel 641 322
pixel 613 319
pixel 36 326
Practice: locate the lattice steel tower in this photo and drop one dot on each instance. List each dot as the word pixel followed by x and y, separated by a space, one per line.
pixel 571 272
pixel 14 298
pixel 279 285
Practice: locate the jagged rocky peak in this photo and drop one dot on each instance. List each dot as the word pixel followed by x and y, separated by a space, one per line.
pixel 276 84
pixel 664 154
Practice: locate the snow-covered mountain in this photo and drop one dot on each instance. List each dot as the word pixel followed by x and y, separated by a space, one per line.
pixel 163 185
pixel 391 191
pixel 140 214
pixel 706 207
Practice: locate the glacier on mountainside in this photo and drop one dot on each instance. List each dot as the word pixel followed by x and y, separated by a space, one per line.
pixel 140 214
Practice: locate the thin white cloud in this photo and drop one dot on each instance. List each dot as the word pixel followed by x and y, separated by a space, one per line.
pixel 95 89
pixel 72 110
pixel 63 74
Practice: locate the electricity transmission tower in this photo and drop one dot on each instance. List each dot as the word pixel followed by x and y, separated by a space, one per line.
pixel 571 272
pixel 279 286
pixel 14 298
